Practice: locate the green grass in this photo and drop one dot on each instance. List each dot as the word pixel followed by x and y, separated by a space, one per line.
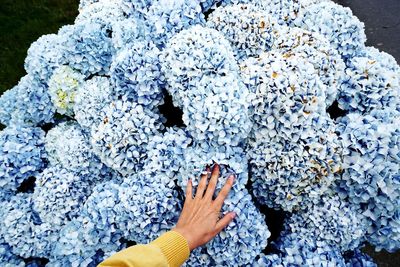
pixel 23 22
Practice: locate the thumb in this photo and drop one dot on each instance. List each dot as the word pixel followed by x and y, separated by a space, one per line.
pixel 221 224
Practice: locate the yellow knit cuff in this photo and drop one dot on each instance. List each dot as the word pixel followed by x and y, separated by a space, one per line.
pixel 174 246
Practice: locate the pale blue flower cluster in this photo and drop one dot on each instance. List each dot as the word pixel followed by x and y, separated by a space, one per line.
pixel 372 82
pixel 22 155
pixel 338 24
pixel 294 250
pixel 90 101
pixel 293 149
pixel 8 259
pixel 87 48
pixel 136 74
pixel 202 74
pixel 318 51
pixel 331 220
pixel 28 102
pixel 250 31
pixel 371 176
pixel 120 140
pixel 253 82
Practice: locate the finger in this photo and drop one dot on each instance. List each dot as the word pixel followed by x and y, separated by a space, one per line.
pixel 213 182
pixel 219 201
pixel 202 184
pixel 221 224
pixel 189 190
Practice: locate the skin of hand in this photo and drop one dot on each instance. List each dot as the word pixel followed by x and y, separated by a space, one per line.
pixel 199 220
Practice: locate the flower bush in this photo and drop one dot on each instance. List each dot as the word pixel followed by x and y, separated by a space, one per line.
pixel 95 156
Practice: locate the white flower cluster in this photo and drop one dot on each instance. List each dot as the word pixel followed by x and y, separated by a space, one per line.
pixel 94 157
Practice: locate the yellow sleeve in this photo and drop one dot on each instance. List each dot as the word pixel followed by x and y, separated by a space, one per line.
pixel 169 250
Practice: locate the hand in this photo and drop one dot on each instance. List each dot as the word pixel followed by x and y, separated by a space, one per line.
pixel 198 222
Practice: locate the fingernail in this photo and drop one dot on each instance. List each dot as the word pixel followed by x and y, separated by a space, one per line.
pixel 232 178
pixel 233 215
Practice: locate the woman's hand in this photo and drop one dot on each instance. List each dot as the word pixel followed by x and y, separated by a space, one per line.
pixel 199 221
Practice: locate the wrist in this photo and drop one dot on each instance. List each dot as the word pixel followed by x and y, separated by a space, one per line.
pixel 187 235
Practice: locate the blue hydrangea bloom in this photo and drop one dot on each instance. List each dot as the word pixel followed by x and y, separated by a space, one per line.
pixel 331 220
pixel 218 91
pixel 120 140
pixel 136 74
pixel 87 48
pixel 90 100
pixel 249 30
pixel 286 12
pixel 293 149
pixel 371 172
pixel 166 151
pixel 59 195
pixel 168 17
pixel 8 259
pixel 296 251
pixel 232 161
pixel 371 83
pixel 243 239
pixel 44 56
pixel 28 103
pixel 318 51
pixel 338 24
pixel 22 155
pixel 67 145
pixel 191 52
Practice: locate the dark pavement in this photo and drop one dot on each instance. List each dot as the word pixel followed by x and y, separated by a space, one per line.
pixel 382 26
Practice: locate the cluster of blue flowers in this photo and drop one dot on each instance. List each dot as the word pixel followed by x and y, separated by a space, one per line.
pixel 89 161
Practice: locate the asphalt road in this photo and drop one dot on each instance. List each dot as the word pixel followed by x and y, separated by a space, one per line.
pixel 382 26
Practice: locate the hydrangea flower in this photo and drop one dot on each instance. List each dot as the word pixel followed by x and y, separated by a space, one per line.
pixel 127 32
pixel 18 222
pixel 44 56
pixel 59 194
pixel 22 155
pixel 218 91
pixel 63 85
pixel 93 230
pixel 249 30
pixel 67 145
pixel 103 12
pixel 120 140
pixel 296 251
pixel 168 17
pixel 166 151
pixel 8 259
pixel 371 176
pixel 87 48
pixel 28 103
pixel 318 51
pixel 194 51
pixel 292 158
pixel 243 239
pixel 338 24
pixel 90 100
pixel 331 220
pixel 371 83
pixel 136 73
